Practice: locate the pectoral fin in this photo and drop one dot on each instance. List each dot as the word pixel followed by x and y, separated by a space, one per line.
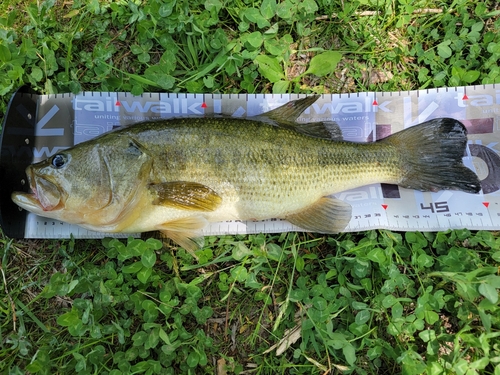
pixel 185 196
pixel 327 215
pixel 186 232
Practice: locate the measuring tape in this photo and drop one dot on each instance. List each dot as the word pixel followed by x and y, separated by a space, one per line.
pixel 38 126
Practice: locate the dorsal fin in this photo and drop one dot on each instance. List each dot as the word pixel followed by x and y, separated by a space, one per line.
pixel 289 112
pixel 286 115
pixel 327 129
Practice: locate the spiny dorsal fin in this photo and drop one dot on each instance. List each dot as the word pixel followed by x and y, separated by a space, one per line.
pixel 289 112
pixel 185 196
pixel 327 215
pixel 286 116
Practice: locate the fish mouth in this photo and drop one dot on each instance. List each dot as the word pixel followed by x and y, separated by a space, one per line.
pixel 44 196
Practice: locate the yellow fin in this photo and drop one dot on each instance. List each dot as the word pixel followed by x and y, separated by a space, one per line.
pixel 186 232
pixel 186 196
pixel 188 243
pixel 327 215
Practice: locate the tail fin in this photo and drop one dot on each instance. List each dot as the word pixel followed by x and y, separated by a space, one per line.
pixel 432 156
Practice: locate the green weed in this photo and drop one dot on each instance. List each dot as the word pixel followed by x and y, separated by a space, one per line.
pixel 378 302
pixel 289 303
pixel 235 46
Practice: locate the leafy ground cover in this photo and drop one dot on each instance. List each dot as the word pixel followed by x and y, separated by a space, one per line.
pixel 375 302
pixel 372 303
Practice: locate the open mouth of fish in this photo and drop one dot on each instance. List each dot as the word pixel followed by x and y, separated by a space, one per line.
pixel 45 195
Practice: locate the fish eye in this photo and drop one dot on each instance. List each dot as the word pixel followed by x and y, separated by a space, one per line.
pixel 58 161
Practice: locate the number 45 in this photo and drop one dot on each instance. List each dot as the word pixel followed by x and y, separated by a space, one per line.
pixel 436 207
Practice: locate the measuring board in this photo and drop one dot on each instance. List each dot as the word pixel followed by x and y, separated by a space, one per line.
pixel 38 126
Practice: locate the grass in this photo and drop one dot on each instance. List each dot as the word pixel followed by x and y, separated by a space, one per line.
pixel 375 302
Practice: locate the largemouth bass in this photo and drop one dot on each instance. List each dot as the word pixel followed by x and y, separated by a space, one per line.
pixel 177 175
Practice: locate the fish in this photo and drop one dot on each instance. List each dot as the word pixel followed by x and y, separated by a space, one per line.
pixel 178 175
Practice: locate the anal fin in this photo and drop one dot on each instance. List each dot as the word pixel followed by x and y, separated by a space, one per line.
pixel 327 215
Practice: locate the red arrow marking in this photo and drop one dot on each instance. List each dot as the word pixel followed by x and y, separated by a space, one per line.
pixel 375 102
pixel 118 103
pixel 384 206
pixel 465 97
pixel 486 204
pixel 204 105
